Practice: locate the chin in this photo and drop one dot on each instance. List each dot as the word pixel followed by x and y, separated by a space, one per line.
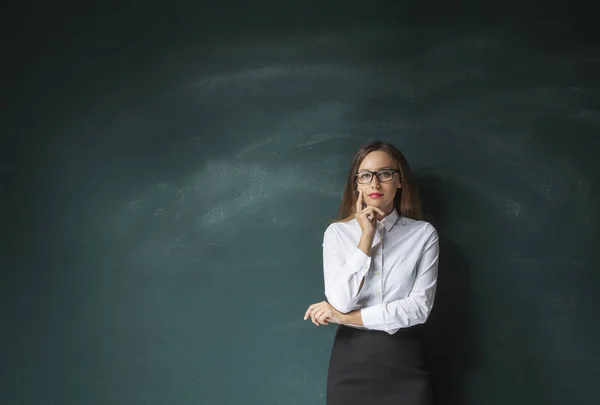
pixel 381 204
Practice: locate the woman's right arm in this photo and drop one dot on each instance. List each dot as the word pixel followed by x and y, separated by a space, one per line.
pixel 344 279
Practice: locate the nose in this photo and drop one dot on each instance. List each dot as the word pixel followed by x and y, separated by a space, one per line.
pixel 375 181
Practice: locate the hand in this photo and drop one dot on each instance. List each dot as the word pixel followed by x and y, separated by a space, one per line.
pixel 367 215
pixel 322 313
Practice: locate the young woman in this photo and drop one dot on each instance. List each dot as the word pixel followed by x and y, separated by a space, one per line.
pixel 380 263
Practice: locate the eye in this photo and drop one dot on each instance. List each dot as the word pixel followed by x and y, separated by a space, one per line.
pixel 364 176
pixel 386 174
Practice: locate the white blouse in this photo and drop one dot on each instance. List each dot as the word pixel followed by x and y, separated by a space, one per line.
pixel 401 273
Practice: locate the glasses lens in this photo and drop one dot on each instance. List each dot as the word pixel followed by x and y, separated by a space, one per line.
pixel 364 177
pixel 385 175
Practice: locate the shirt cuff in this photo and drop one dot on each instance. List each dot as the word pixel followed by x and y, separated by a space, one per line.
pixel 359 261
pixel 372 316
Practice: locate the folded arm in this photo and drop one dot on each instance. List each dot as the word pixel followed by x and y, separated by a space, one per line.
pixel 416 307
pixel 343 278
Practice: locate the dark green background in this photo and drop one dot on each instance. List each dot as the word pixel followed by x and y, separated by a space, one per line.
pixel 168 171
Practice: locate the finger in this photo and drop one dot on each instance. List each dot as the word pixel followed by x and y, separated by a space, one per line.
pixel 318 314
pixel 374 212
pixel 311 309
pixel 323 320
pixel 370 213
pixel 308 311
pixel 358 201
pixel 312 318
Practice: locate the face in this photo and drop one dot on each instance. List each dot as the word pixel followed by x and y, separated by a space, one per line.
pixel 379 161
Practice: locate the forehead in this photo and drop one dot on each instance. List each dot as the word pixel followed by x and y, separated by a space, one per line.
pixel 376 160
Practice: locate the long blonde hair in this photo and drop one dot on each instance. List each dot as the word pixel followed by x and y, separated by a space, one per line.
pixel 407 200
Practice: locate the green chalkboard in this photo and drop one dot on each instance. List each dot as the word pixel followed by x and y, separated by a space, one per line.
pixel 169 174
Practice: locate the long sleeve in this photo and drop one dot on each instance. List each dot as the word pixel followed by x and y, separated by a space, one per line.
pixel 415 308
pixel 342 277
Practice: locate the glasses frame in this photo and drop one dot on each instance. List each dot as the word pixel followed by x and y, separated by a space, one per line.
pixel 377 175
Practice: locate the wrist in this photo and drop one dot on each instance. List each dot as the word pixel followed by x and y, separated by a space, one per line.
pixel 347 318
pixel 369 235
pixel 353 318
pixel 343 318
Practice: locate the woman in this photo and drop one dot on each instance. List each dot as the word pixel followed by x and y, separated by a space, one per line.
pixel 380 262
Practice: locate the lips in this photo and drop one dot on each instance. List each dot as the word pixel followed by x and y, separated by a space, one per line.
pixel 375 195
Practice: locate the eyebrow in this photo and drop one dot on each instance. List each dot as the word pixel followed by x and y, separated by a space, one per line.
pixel 381 168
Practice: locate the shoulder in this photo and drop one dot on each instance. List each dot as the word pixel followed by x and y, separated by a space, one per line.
pixel 424 228
pixel 342 231
pixel 341 227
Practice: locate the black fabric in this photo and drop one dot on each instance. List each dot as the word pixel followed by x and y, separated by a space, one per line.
pixel 369 367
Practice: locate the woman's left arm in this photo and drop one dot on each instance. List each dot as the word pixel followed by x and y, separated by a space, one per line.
pixel 409 311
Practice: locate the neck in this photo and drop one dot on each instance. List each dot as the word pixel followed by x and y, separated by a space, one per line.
pixel 388 210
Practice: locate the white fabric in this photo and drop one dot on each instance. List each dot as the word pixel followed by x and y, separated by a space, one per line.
pixel 401 273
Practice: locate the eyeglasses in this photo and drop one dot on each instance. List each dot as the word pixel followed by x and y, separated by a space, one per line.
pixel 384 176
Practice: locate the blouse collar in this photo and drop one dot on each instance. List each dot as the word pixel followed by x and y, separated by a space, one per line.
pixel 390 219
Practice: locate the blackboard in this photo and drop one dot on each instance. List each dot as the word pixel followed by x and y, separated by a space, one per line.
pixel 169 172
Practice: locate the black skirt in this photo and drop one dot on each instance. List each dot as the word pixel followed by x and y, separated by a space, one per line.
pixel 370 367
